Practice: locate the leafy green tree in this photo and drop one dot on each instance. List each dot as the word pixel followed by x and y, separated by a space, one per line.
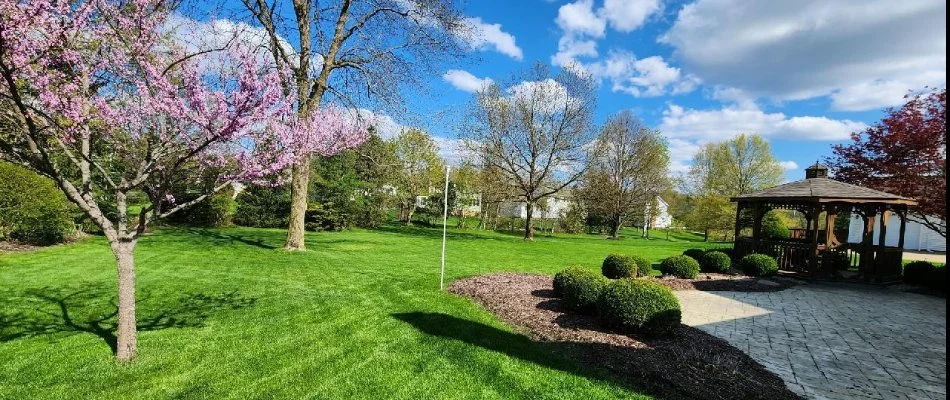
pixel 420 168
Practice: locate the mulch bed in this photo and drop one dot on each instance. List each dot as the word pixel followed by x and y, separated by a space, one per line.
pixel 690 365
pixel 10 247
pixel 728 283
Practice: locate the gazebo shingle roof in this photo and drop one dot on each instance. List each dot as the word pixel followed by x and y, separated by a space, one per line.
pixel 818 189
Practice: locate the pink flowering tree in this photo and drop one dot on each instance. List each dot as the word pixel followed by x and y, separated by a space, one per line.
pixel 97 97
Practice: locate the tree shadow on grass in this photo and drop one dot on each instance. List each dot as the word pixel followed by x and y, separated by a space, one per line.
pixel 92 310
pixel 219 236
pixel 653 369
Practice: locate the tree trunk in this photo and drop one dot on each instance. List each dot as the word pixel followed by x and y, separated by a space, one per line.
pixel 299 184
pixel 615 227
pixel 126 343
pixel 409 211
pixel 528 221
pixel 706 235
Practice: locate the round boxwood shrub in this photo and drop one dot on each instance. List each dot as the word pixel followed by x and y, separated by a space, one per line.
pixel 758 265
pixel 938 279
pixel 581 288
pixel 618 266
pixel 684 267
pixel 566 275
pixel 715 261
pixel 918 272
pixel 696 254
pixel 640 306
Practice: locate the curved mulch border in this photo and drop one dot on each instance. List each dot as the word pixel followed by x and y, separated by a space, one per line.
pixel 10 247
pixel 691 365
pixel 728 283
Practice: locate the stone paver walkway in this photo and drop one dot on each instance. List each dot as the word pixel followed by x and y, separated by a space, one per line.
pixel 834 342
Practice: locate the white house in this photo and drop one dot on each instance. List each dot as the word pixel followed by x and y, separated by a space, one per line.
pixel 553 208
pixel 661 217
pixel 916 237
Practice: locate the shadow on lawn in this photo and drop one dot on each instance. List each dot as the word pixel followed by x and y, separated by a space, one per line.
pixel 654 369
pixel 92 310
pixel 224 237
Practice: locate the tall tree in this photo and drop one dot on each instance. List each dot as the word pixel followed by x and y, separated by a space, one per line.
pixel 906 154
pixel 726 169
pixel 95 96
pixel 420 169
pixel 355 50
pixel 534 132
pixel 629 169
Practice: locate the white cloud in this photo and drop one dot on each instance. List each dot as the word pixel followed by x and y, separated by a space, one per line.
pixel 579 18
pixel 681 154
pixel 719 124
pixel 629 15
pixel 386 127
pixel 465 81
pixel 481 35
pixel 570 47
pixel 864 56
pixel 647 77
pixel 549 96
pixel 788 165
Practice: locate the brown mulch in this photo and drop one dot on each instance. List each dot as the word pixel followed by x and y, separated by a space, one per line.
pixel 728 282
pixel 690 365
pixel 10 247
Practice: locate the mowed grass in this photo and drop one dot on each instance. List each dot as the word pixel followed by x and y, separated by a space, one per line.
pixel 223 313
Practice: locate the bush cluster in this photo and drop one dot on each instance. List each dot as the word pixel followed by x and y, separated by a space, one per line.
pixel 618 266
pixel 32 209
pixel 639 306
pixel 923 273
pixel 696 254
pixel 715 261
pixel 326 217
pixel 683 266
pixel 579 288
pixel 758 265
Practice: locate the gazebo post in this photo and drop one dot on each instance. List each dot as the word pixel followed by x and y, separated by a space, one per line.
pixel 813 215
pixel 902 213
pixel 739 207
pixel 867 240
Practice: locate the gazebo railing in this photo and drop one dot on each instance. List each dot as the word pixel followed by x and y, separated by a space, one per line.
pixel 882 264
pixel 791 255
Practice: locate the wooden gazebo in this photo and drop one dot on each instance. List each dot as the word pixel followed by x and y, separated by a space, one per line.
pixel 818 251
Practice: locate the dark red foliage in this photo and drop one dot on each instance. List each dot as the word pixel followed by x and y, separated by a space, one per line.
pixel 905 154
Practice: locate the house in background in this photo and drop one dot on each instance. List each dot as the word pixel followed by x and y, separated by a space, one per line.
pixel 659 217
pixel 916 237
pixel 552 208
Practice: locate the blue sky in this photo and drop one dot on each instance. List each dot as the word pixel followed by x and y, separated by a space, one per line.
pixel 802 73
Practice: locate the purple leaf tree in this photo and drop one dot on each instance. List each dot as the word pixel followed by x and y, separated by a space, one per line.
pixel 98 97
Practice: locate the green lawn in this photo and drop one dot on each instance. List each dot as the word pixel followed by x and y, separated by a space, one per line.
pixel 224 314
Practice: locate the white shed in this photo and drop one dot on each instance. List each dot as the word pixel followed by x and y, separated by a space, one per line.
pixel 917 236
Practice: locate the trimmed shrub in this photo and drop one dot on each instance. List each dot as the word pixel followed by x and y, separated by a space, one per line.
pixel 579 288
pixel 683 266
pixel 32 209
pixel 640 306
pixel 918 272
pixel 715 261
pixel 618 266
pixel 926 274
pixel 326 217
pixel 696 254
pixel 758 265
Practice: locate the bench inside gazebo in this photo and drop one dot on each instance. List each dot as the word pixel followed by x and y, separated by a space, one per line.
pixel 818 251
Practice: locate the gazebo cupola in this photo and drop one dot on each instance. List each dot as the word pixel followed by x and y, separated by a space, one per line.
pixel 816 171
pixel 818 251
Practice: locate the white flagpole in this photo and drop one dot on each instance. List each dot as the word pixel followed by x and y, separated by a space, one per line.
pixel 445 217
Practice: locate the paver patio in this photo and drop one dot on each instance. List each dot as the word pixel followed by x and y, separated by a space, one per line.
pixel 834 341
